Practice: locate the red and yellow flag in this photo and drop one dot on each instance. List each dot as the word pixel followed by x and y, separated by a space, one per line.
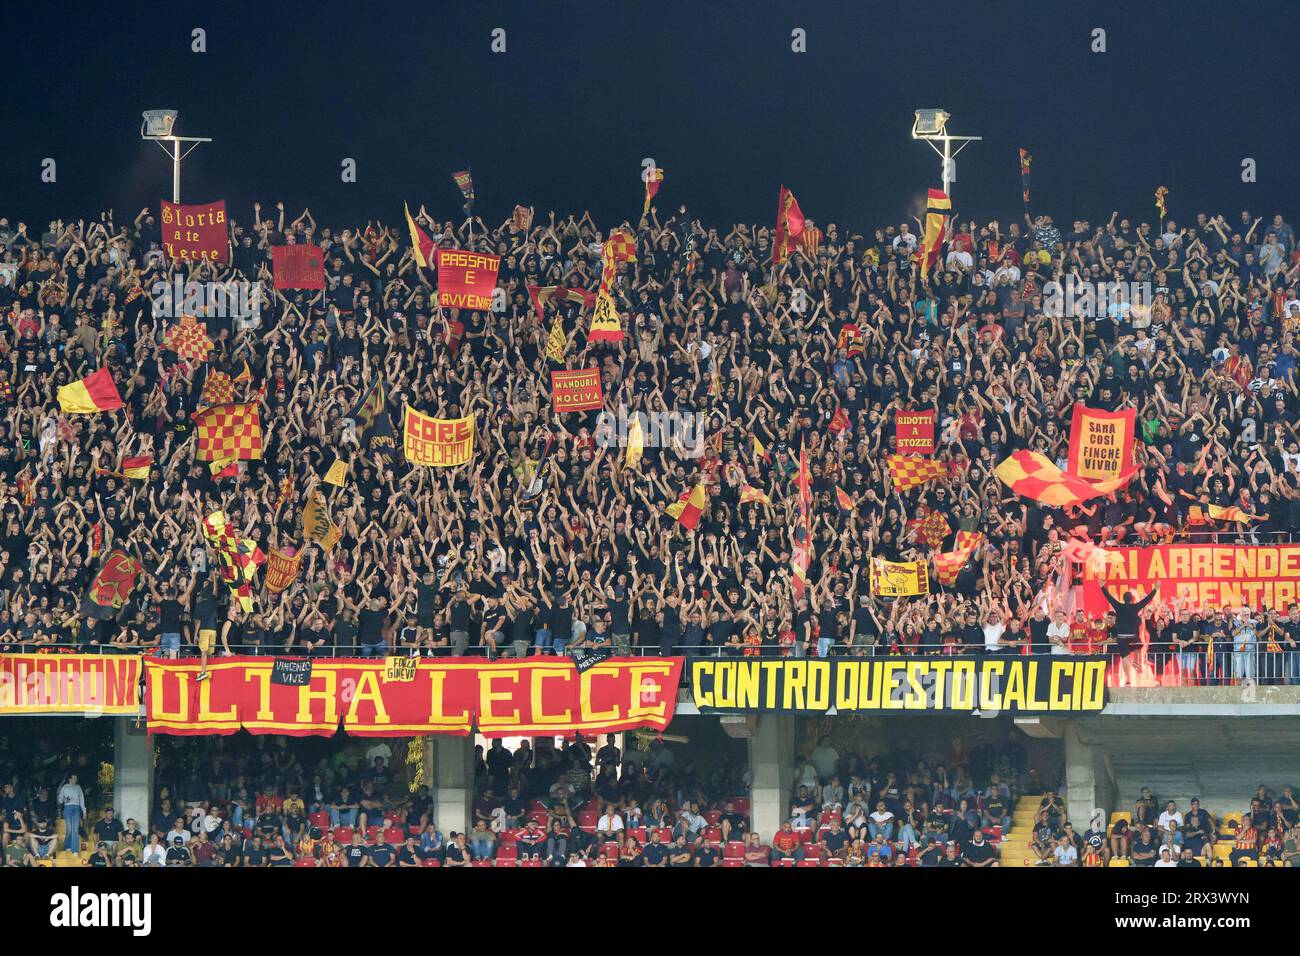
pixel 750 494
pixel 229 431
pixel 421 244
pixel 94 393
pixel 688 508
pixel 948 564
pixel 936 221
pixel 789 225
pixel 908 472
pixel 1030 474
pixel 651 189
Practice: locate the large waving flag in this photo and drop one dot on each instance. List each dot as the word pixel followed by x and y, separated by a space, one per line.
pixel 229 431
pixel 239 557
pixel 421 244
pixel 94 393
pixel 908 472
pixel 371 416
pixel 635 443
pixel 188 339
pixel 688 509
pixel 1030 474
pixel 112 585
pixel 789 225
pixel 936 221
pixel 652 183
pixel 948 564
pixel 542 295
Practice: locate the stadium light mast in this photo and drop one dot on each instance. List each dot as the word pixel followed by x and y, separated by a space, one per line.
pixel 931 126
pixel 157 126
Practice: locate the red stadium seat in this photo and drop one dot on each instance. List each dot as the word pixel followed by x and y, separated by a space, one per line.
pixel 531 863
pixel 508 851
pixel 373 833
pixel 639 834
pixel 320 819
pixel 713 836
pixel 393 818
pixel 431 861
pixel 506 863
pixel 714 817
pixel 305 861
pixel 733 850
pixel 481 863
pixel 741 804
pixel 665 835
pixel 810 862
pixel 534 805
pixel 733 863
pixel 540 816
pixel 783 862
pixel 587 820
pixel 395 836
pixel 508 837
pixel 343 835
pixel 609 851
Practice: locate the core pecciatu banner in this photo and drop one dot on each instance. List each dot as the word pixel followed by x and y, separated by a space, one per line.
pixel 1205 575
pixel 195 233
pixel 69 684
pixel 904 684
pixel 446 696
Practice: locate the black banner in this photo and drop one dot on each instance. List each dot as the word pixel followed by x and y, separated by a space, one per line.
pixel 291 671
pixel 902 684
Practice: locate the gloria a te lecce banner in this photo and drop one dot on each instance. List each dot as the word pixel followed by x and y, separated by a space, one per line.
pixel 444 696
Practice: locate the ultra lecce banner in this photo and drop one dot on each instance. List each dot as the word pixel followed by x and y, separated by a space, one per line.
pixel 69 684
pixel 1101 442
pixel 1205 575
pixel 445 696
pixel 998 683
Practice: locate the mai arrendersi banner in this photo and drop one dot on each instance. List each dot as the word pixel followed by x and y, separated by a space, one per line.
pixel 995 683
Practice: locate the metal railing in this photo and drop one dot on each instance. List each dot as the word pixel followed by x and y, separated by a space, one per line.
pixel 1221 666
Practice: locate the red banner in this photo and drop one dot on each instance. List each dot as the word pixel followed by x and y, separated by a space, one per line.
pixel 914 432
pixel 466 279
pixel 544 695
pixel 1204 575
pixel 298 267
pixel 578 391
pixel 195 233
pixel 69 684
pixel 1101 442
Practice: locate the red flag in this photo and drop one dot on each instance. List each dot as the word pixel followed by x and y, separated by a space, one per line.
pixel 789 225
pixel 421 244
pixel 298 267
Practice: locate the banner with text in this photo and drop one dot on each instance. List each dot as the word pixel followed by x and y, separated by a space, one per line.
pixel 69 684
pixel 1101 442
pixel 195 233
pixel 577 391
pixel 437 442
pixel 298 267
pixel 466 279
pixel 903 683
pixel 446 696
pixel 914 432
pixel 1204 575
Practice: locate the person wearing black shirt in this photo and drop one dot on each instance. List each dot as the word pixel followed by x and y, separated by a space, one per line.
pixel 706 855
pixel 177 854
pixel 355 852
pixel 979 852
pixel 654 853
pixel 1126 617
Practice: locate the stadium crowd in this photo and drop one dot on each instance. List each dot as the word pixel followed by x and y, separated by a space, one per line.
pixel 546 542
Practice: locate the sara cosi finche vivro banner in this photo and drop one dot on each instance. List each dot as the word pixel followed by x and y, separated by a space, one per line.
pixel 435 696
pixel 1013 684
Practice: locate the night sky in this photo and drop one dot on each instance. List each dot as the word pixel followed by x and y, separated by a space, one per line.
pixel 710 90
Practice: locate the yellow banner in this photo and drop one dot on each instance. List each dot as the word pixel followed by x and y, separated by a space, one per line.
pixel 899 578
pixel 437 442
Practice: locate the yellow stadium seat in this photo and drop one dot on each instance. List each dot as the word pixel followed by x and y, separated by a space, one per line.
pixel 1222 850
pixel 1121 815
pixel 1119 861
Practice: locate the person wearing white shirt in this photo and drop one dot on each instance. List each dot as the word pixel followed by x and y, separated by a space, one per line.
pixel 1166 857
pixel 1058 634
pixel 1171 815
pixel 610 823
pixel 155 854
pixel 994 628
pixel 73 801
pixel 1065 853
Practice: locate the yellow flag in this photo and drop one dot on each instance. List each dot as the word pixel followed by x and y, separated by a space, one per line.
pixel 605 323
pixel 556 341
pixel 337 474
pixel 635 443
pixel 759 450
pixel 317 524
